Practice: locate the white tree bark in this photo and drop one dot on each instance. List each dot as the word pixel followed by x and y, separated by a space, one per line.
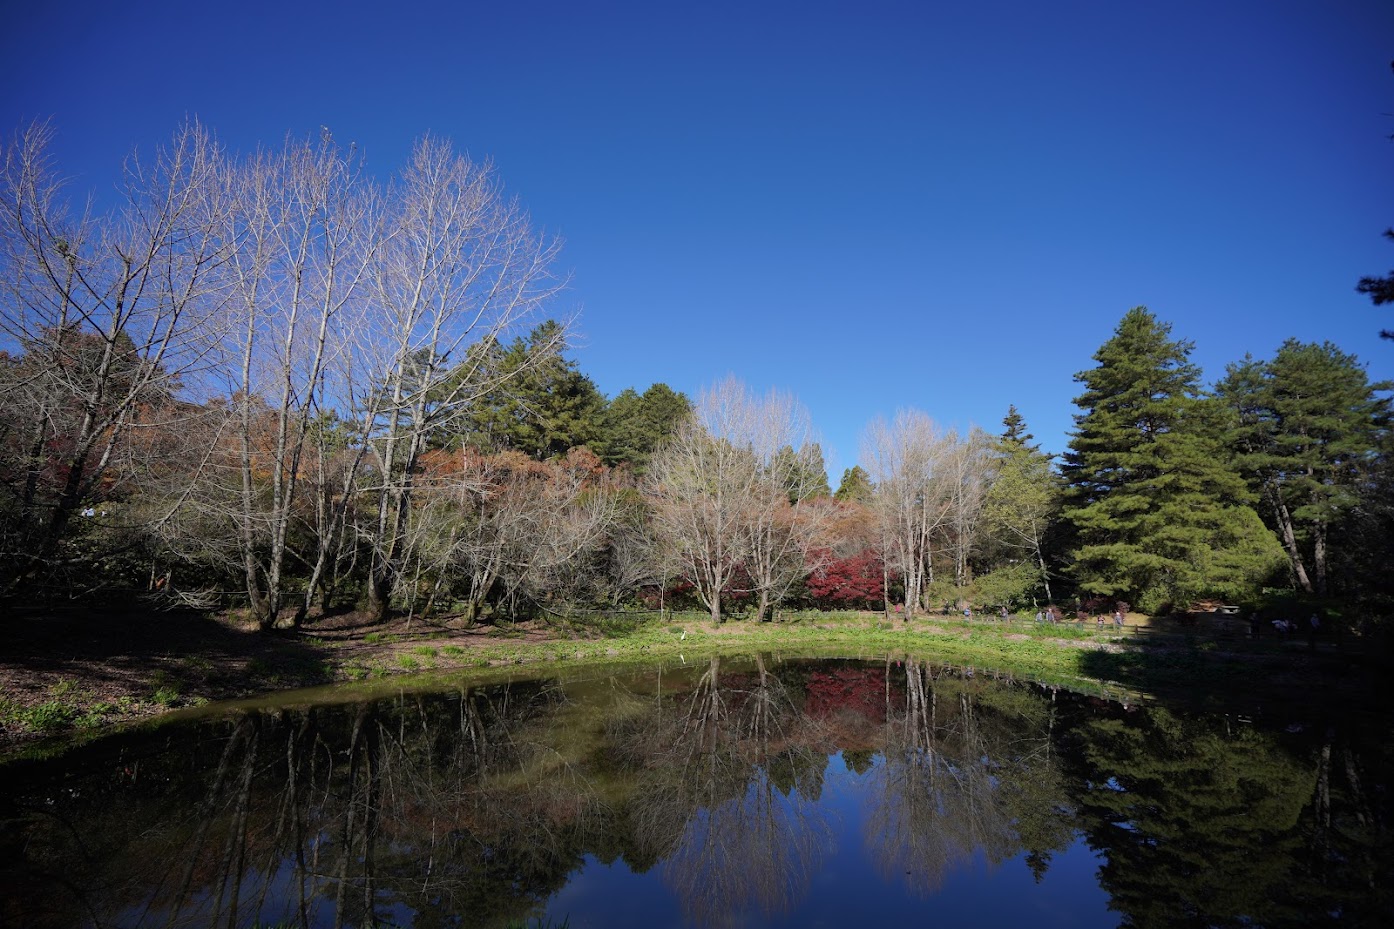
pixel 913 497
pixel 120 309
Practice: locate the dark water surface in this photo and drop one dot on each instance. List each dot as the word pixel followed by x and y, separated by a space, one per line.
pixel 751 792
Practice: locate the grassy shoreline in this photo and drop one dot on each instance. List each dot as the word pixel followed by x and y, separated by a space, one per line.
pixel 75 700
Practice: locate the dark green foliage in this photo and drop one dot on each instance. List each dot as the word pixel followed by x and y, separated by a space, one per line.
pixel 1159 515
pixel 535 401
pixel 634 425
pixel 855 486
pixel 1181 809
pixel 1380 289
pixel 1306 430
pixel 1014 432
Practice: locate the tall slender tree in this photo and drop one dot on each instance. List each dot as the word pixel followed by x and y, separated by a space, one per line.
pixel 460 265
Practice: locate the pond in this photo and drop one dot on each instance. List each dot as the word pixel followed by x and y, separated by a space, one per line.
pixel 728 792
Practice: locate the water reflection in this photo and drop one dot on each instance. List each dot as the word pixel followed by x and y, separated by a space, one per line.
pixel 738 788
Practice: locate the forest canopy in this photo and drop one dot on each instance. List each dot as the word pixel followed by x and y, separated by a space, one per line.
pixel 276 383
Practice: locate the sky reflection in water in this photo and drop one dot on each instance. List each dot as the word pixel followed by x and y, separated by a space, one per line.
pixel 732 792
pixel 847 891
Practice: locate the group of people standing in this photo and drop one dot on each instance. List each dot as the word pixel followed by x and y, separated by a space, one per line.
pixel 1052 614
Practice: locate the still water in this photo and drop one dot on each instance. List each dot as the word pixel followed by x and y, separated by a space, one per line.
pixel 732 792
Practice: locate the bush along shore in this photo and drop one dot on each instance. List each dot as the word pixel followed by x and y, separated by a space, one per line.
pixel 84 677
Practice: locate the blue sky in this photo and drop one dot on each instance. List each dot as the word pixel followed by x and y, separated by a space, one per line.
pixel 873 206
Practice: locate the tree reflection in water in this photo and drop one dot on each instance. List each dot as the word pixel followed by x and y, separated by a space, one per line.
pixel 476 807
pixel 729 799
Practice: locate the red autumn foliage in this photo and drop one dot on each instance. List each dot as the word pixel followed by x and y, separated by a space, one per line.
pixel 859 690
pixel 853 582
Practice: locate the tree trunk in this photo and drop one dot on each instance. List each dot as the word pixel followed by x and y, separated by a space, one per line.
pixel 1289 537
pixel 1319 556
pixel 379 593
pixel 885 590
pixel 1045 574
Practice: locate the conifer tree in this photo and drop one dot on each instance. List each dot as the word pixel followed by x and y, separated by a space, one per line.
pixel 543 405
pixel 1306 430
pixel 1160 515
pixel 803 472
pixel 634 425
pixel 855 486
pixel 1025 494
pixel 1380 290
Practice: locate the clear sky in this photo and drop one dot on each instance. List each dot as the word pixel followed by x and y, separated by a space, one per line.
pixel 876 205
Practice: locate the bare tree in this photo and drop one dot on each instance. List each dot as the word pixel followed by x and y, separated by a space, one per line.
pixel 118 310
pixel 967 471
pixel 460 265
pixel 907 460
pixel 304 228
pixel 722 494
pixel 508 526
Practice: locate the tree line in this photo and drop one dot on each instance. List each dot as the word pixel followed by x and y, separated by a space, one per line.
pixel 275 382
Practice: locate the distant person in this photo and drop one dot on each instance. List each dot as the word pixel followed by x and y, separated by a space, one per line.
pixel 1118 618
pixel 1040 616
pixel 1004 614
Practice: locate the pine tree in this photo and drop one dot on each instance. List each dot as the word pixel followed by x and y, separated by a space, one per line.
pixel 1380 290
pixel 855 486
pixel 1160 515
pixel 634 425
pixel 1014 433
pixel 1306 430
pixel 543 405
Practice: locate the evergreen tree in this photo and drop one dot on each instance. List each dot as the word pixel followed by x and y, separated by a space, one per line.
pixel 804 474
pixel 1306 429
pixel 545 407
pixel 855 486
pixel 1160 515
pixel 1014 433
pixel 634 425
pixel 1380 289
pixel 1023 499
